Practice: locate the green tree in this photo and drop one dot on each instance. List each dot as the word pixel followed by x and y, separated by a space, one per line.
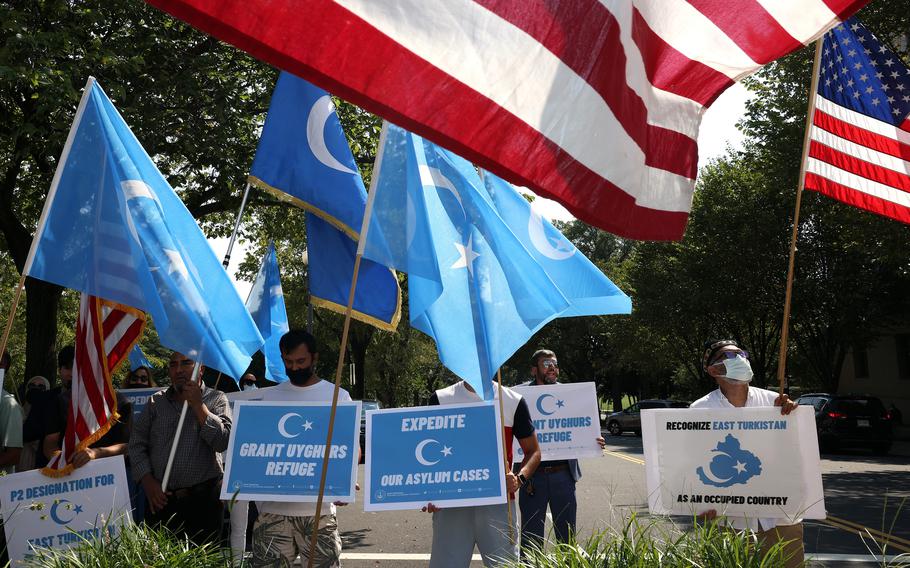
pixel 194 103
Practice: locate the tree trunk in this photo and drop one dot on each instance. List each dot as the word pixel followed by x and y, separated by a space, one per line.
pixel 42 299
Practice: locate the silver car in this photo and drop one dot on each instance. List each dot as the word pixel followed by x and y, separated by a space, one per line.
pixel 629 420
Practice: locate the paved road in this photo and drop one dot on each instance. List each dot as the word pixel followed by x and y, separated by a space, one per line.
pixel 862 493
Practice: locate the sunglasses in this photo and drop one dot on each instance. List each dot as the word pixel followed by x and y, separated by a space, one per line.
pixel 725 355
pixel 36 386
pixel 549 364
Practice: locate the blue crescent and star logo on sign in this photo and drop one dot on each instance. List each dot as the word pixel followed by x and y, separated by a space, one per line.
pixel 63 511
pixel 543 401
pixel 731 465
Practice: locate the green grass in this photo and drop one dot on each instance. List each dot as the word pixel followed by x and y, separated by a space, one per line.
pixel 134 545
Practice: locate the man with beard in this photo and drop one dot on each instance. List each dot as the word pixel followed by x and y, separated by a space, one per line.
pixel 191 503
pixel 553 483
pixel 283 530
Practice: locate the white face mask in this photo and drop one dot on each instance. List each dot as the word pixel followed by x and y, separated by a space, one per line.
pixel 249 387
pixel 737 370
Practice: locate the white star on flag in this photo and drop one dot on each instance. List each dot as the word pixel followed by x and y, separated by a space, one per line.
pixel 466 260
pixel 307 425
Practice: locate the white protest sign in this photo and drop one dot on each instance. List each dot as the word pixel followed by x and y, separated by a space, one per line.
pixel 566 420
pixel 749 462
pixel 58 512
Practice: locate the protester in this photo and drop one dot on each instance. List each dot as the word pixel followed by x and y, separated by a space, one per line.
pixel 190 503
pixel 553 483
pixel 139 378
pixel 48 412
pixel 457 529
pixel 729 366
pixel 248 382
pixel 283 529
pixel 31 394
pixel 114 442
pixel 10 439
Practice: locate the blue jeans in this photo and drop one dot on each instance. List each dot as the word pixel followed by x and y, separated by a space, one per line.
pixel 555 490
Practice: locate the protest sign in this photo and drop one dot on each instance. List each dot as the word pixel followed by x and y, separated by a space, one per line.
pixel 566 420
pixel 449 455
pixel 276 451
pixel 139 398
pixel 59 512
pixel 749 462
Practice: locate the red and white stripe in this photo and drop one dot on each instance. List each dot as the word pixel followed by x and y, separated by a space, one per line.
pixel 594 103
pixel 859 160
pixel 105 333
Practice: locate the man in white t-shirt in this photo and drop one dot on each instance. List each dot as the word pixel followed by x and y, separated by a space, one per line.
pixel 729 365
pixel 283 530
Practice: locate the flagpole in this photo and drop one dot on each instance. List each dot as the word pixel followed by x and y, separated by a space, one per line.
pixel 361 246
pixel 788 296
pixel 180 422
pixel 505 458
pixel 227 255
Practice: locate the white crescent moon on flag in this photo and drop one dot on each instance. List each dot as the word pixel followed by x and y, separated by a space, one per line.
pixel 315 134
pixel 537 234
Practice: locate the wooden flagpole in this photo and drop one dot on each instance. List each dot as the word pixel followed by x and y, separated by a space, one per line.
pixel 785 325
pixel 505 459
pixel 361 245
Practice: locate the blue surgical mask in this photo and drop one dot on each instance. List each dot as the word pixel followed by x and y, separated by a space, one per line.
pixel 737 370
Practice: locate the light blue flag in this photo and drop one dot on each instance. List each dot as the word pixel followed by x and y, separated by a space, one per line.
pixel 266 305
pixel 114 228
pixel 472 285
pixel 589 291
pixel 138 359
pixel 304 158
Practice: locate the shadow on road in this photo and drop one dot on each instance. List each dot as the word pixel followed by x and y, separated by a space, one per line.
pixel 354 539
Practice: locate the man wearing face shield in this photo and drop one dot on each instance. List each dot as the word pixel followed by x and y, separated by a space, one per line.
pixel 729 366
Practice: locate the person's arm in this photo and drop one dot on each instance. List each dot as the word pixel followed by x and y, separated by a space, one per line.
pixel 12 438
pixel 215 422
pixel 786 405
pixel 50 445
pixel 89 454
pixel 140 459
pixel 523 430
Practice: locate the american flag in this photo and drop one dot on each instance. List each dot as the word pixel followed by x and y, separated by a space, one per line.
pixel 594 103
pixel 860 135
pixel 105 333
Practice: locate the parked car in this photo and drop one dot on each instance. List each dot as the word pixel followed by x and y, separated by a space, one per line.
pixel 364 406
pixel 850 420
pixel 630 418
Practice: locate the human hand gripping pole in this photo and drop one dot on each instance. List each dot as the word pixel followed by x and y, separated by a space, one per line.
pixel 170 459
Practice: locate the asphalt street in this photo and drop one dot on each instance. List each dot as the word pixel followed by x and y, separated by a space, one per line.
pixel 866 497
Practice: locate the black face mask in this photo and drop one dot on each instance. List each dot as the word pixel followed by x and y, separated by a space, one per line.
pixel 33 395
pixel 299 377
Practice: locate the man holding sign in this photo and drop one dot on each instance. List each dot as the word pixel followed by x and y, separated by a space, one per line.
pixel 284 529
pixel 729 365
pixel 456 530
pixel 553 484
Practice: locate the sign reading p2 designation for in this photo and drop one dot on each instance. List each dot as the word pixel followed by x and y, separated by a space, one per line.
pixel 276 451
pixel 749 462
pixel 566 420
pixel 59 512
pixel 449 455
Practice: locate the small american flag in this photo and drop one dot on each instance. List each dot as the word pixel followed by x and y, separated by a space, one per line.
pixel 105 333
pixel 859 150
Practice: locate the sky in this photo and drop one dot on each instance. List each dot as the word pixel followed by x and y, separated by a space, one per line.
pixel 718 129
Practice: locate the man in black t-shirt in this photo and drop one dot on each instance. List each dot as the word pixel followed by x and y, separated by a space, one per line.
pixel 456 530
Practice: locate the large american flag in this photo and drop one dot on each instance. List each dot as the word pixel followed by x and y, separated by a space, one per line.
pixel 105 333
pixel 860 135
pixel 594 103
